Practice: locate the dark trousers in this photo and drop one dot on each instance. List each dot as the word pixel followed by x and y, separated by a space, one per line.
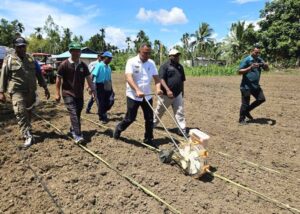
pixel 132 108
pixel 90 104
pixel 246 107
pixel 74 107
pixel 103 100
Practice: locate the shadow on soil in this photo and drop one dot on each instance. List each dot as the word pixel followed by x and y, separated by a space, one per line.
pixel 263 121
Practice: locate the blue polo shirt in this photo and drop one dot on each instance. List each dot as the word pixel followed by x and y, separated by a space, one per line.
pixel 101 73
pixel 250 79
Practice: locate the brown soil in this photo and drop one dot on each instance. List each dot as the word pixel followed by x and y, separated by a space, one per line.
pixel 80 183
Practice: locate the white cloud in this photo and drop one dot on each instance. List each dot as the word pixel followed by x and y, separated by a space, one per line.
pixel 164 17
pixel 34 15
pixel 168 30
pixel 244 1
pixel 254 22
pixel 179 43
pixel 214 36
pixel 117 36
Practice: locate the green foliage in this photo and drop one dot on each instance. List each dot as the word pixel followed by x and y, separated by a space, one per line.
pixel 36 45
pixel 203 38
pixel 211 70
pixel 66 39
pixel 97 42
pixel 279 37
pixel 9 31
pixel 280 31
pixel 118 62
pixel 140 39
pixel 241 39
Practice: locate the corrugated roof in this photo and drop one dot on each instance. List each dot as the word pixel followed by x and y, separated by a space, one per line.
pixel 83 55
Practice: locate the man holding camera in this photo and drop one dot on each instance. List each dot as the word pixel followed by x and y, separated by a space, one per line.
pixel 250 68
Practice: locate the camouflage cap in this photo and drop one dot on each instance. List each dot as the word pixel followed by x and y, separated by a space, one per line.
pixel 74 46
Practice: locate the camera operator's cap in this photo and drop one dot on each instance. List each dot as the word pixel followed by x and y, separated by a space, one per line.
pixel 74 46
pixel 173 52
pixel 20 41
pixel 107 54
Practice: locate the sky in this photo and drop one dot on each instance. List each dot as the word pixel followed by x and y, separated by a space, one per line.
pixel 164 20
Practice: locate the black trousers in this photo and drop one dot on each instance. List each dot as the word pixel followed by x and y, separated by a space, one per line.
pixel 90 104
pixel 132 108
pixel 246 107
pixel 74 107
pixel 103 100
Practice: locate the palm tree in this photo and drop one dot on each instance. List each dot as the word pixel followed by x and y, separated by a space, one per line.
pixel 202 36
pixel 237 39
pixel 185 40
pixel 140 38
pixel 102 31
pixel 102 36
pixel 128 40
pixel 38 33
pixel 21 27
pixel 186 50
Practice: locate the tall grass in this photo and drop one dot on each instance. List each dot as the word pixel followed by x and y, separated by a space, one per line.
pixel 211 70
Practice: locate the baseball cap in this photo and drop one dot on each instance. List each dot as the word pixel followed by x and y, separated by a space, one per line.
pixel 107 54
pixel 173 52
pixel 20 41
pixel 74 46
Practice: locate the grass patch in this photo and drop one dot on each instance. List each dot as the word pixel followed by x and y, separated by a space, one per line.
pixel 211 70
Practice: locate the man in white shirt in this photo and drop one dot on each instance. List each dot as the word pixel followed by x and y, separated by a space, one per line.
pixel 139 72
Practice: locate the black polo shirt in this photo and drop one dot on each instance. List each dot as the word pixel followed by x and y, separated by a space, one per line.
pixel 73 78
pixel 174 76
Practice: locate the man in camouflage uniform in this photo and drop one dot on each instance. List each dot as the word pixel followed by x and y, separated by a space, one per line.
pixel 18 78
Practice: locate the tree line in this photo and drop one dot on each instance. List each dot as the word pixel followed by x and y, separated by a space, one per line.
pixel 278 34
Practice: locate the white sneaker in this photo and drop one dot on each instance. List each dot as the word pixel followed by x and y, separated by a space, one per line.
pixel 78 138
pixel 72 133
pixel 29 140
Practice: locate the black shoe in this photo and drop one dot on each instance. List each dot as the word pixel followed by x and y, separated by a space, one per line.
pixel 183 131
pixel 150 143
pixel 249 116
pixel 242 121
pixel 116 134
pixel 104 121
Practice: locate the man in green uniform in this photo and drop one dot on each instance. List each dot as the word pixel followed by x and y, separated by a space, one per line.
pixel 18 78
